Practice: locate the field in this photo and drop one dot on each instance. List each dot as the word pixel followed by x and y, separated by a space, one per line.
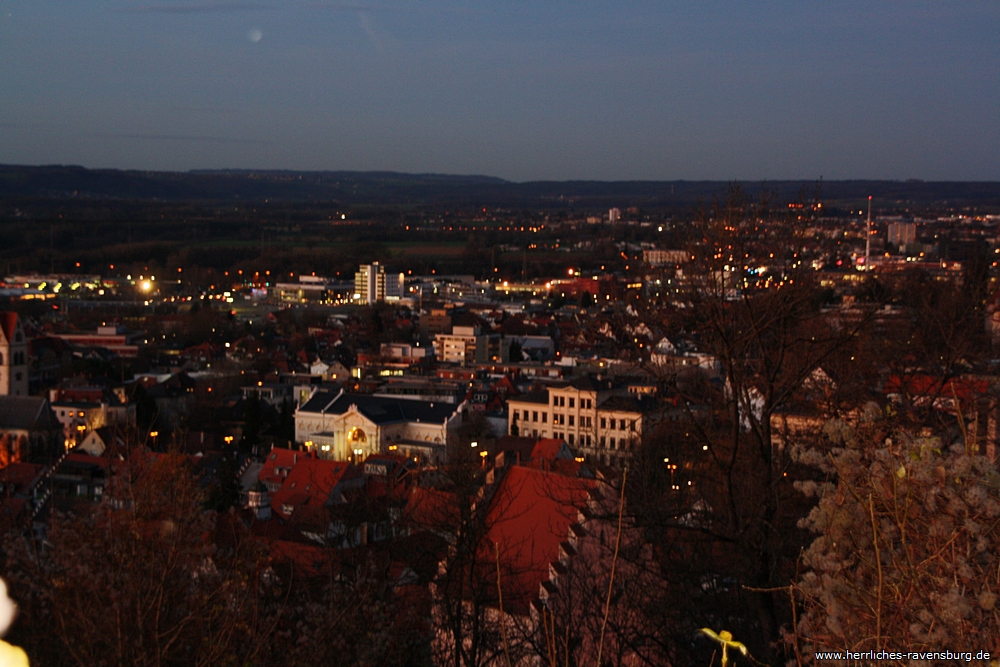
pixel 417 249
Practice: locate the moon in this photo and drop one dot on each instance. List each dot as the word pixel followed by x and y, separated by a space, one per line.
pixel 255 35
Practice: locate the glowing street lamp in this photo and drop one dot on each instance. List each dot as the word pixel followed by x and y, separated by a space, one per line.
pixel 672 467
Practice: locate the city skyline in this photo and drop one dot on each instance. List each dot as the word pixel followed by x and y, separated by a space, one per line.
pixel 523 92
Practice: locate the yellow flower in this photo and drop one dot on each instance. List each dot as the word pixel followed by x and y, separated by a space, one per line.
pixel 725 640
pixel 12 656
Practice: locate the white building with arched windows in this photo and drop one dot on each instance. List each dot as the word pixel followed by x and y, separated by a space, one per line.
pixel 344 426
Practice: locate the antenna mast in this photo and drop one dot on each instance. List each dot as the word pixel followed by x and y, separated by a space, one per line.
pixel 868 237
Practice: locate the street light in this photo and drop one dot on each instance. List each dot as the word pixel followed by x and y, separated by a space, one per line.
pixel 357 455
pixel 672 467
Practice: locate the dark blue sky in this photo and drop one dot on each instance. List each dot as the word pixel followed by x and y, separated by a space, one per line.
pixel 522 90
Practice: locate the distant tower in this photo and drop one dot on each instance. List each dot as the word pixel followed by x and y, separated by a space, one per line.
pixel 868 237
pixel 13 356
pixel 372 284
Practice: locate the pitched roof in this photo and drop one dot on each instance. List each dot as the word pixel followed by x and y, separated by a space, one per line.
pixel 307 490
pixel 626 404
pixel 8 324
pixel 551 449
pixel 528 517
pixel 380 409
pixel 522 446
pixel 21 475
pixel 317 477
pixel 432 510
pixel 589 383
pixel 25 413
pixel 278 465
pixel 540 396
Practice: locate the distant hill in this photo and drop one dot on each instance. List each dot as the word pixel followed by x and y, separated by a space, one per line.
pixel 391 188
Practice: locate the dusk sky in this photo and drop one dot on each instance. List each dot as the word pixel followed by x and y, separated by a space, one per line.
pixel 521 90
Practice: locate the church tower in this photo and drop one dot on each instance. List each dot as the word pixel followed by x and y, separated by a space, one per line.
pixel 13 356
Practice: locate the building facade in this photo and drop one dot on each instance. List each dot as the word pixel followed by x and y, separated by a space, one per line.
pixel 346 426
pixel 13 356
pixel 373 284
pixel 603 423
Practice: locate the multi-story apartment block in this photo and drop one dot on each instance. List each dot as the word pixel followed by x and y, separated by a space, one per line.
pixel 372 284
pixel 902 234
pixel 468 345
pixel 594 418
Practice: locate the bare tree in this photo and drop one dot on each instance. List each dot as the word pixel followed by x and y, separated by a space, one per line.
pixel 712 488
pixel 138 579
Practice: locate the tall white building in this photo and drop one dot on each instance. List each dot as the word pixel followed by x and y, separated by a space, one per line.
pixel 13 356
pixel 372 284
pixel 902 233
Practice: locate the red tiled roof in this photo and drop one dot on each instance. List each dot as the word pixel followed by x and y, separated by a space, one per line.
pixel 528 517
pixel 8 322
pixel 433 510
pixel 318 477
pixel 20 474
pixel 278 464
pixel 308 486
pixel 567 467
pixel 964 389
pixel 77 457
pixel 547 448
pixel 306 559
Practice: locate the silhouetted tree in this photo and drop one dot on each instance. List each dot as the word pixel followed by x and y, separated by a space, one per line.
pixel 252 423
pixel 138 579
